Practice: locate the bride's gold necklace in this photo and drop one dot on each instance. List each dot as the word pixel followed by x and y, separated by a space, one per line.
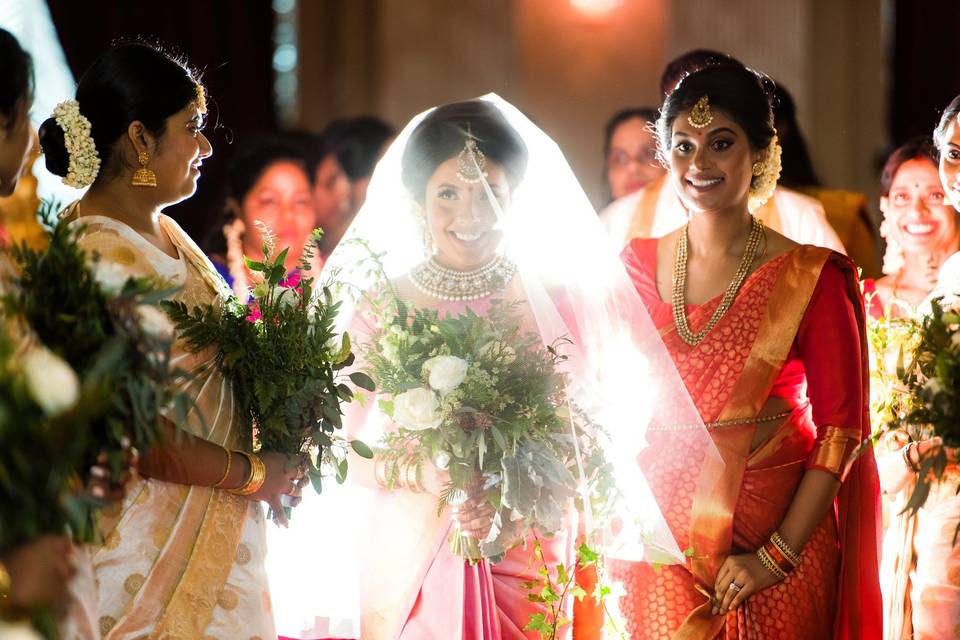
pixel 437 281
pixel 750 253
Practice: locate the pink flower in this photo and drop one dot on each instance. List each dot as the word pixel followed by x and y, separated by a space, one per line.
pixel 292 281
pixel 254 314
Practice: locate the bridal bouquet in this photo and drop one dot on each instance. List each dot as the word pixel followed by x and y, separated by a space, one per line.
pixel 932 378
pixel 483 399
pixel 892 342
pixel 109 330
pixel 281 353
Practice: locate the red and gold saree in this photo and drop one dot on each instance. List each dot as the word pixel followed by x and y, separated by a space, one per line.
pixel 795 332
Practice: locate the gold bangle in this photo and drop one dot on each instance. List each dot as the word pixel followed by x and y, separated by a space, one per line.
pixel 412 477
pixel 401 480
pixel 258 475
pixel 769 564
pixel 380 471
pixel 226 472
pixel 5 583
pixel 792 556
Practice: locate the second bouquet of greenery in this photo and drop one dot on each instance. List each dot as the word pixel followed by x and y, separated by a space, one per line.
pixel 485 400
pixel 284 360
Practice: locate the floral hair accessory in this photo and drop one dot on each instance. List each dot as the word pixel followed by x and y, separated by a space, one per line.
pixel 701 116
pixel 201 98
pixel 765 183
pixel 84 162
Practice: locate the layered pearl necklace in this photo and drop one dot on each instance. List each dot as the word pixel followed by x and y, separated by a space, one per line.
pixel 439 282
pixel 750 253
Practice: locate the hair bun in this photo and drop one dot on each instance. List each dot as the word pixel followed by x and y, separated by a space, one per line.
pixel 55 154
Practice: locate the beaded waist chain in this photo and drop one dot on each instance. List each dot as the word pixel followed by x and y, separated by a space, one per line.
pixel 656 427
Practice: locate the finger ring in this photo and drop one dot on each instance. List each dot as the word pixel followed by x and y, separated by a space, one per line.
pixel 736 587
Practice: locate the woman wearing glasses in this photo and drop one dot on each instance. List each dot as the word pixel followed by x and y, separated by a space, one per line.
pixel 920 229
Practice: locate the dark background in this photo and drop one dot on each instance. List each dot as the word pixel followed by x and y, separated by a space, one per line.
pixel 231 42
pixel 925 64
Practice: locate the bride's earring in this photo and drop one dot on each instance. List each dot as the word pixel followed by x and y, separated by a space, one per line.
pixel 426 238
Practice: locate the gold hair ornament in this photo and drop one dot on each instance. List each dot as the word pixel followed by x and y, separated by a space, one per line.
pixel 701 116
pixel 201 98
pixel 471 163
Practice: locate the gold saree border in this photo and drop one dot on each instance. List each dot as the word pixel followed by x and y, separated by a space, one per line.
pixel 191 606
pixel 834 452
pixel 711 524
pixel 769 214
pixel 645 212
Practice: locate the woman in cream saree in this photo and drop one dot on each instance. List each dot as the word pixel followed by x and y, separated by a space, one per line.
pixel 183 556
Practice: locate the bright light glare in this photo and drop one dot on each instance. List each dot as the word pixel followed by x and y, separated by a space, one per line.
pixel 595 7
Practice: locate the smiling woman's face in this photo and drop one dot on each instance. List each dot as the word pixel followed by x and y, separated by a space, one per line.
pixel 460 217
pixel 711 167
pixel 922 220
pixel 950 163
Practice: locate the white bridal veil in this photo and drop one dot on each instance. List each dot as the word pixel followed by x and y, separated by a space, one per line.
pixel 619 376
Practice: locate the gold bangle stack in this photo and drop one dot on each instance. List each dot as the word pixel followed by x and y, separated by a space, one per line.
pixel 5 583
pixel 409 476
pixel 226 472
pixel 792 556
pixel 380 471
pixel 258 475
pixel 412 477
pixel 908 457
pixel 769 564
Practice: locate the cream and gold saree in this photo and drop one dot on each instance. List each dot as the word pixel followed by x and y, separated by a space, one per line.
pixel 179 562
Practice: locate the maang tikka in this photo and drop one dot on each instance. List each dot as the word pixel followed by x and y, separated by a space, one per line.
pixel 471 163
pixel 701 116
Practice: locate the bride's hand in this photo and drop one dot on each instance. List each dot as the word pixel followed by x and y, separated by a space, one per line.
pixel 434 479
pixel 283 477
pixel 475 515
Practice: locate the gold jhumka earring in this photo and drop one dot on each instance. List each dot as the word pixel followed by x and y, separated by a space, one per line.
pixel 143 177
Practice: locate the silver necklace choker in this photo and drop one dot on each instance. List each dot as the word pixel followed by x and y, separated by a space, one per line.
pixel 440 282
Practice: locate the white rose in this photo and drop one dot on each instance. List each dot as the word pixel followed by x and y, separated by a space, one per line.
pixel 417 409
pixel 18 631
pixel 50 380
pixel 155 322
pixel 110 276
pixel 445 373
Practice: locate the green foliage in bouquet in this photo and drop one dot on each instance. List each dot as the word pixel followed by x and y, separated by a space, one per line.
pixel 45 410
pixel 484 399
pixel 42 444
pixel 933 379
pixel 892 342
pixel 110 331
pixel 284 359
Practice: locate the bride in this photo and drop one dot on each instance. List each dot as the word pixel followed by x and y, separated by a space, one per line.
pixel 474 205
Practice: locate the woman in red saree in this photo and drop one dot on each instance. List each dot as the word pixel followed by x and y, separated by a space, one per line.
pixel 768 337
